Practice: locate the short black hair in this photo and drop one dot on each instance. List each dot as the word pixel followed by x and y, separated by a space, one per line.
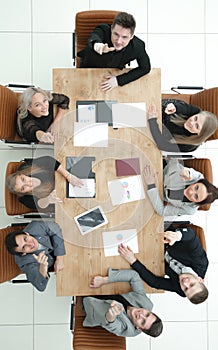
pixel 10 242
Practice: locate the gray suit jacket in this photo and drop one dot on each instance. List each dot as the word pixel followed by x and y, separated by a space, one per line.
pixel 96 309
pixel 173 181
pixel 49 235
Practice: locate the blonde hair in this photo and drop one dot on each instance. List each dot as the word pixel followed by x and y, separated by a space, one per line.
pixel 208 128
pixel 25 100
pixel 41 191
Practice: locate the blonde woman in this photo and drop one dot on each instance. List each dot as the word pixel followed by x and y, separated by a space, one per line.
pixel 185 126
pixel 36 121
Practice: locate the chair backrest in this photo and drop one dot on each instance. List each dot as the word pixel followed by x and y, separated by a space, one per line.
pixel 85 23
pixel 8 116
pixel 12 204
pixel 200 233
pixel 207 100
pixel 9 269
pixel 184 97
pixel 204 166
pixel 198 230
pixel 93 338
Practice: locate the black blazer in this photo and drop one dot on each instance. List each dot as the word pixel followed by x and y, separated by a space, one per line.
pixel 162 139
pixel 188 251
pixel 135 50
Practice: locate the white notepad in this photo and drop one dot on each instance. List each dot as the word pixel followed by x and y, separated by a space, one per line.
pixel 87 113
pixel 111 240
pixel 128 189
pixel 92 135
pixel 86 191
pixel 129 115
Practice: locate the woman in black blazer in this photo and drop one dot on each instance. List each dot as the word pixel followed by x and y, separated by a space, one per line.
pixel 185 126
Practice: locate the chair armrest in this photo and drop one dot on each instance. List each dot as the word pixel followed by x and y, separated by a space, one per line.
pixel 19 86
pixel 74 48
pixel 19 281
pixel 22 142
pixel 186 88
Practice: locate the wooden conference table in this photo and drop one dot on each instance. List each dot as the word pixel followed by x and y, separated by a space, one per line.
pixel 85 253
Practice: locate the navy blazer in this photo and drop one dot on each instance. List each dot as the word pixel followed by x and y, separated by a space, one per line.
pixel 188 251
pixel 49 235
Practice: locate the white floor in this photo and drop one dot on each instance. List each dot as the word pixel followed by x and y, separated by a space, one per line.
pixel 182 38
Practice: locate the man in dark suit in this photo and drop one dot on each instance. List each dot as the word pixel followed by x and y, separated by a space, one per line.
pixel 113 47
pixel 39 246
pixel 185 265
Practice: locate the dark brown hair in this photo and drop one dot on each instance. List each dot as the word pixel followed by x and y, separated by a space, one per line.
pixel 200 296
pixel 125 20
pixel 212 192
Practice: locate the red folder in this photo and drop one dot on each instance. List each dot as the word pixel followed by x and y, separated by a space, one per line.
pixel 129 166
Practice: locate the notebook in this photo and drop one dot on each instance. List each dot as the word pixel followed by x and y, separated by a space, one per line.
pixel 82 168
pixel 94 111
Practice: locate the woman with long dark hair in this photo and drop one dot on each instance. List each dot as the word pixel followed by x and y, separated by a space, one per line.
pixel 185 189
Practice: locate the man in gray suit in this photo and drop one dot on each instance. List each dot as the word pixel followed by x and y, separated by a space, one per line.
pixel 39 246
pixel 125 315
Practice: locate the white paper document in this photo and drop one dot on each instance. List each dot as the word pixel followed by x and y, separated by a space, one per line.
pixel 128 189
pixel 112 239
pixel 87 113
pixel 86 191
pixel 92 135
pixel 126 115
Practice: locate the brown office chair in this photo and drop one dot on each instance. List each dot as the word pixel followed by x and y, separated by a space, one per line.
pixel 85 23
pixel 199 230
pixel 8 108
pixel 9 269
pixel 204 166
pixel 12 204
pixel 8 116
pixel 93 338
pixel 200 233
pixel 206 100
